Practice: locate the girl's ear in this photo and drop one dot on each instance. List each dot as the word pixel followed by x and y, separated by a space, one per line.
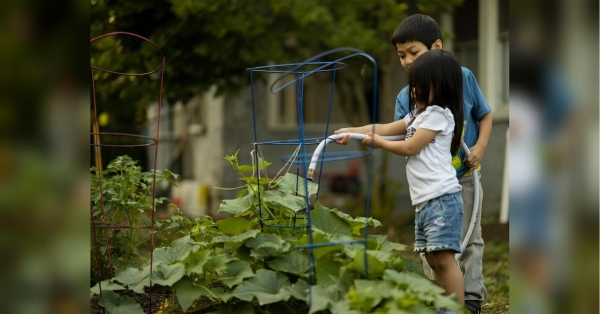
pixel 437 44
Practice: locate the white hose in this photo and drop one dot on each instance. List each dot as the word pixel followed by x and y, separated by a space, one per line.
pixel 476 198
pixel 358 136
pixel 333 138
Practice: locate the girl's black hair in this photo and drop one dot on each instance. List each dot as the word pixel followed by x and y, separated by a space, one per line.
pixel 417 28
pixel 439 71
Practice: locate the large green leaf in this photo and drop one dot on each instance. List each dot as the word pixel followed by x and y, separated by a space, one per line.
pixel 356 223
pixel 241 307
pixel 363 302
pixel 177 251
pixel 237 206
pixel 237 240
pixel 116 304
pixel 267 286
pixel 135 278
pixel 265 245
pixel 292 202
pixel 342 307
pixel 372 221
pixel 376 261
pixel 291 183
pixel 420 308
pixel 167 275
pixel 194 264
pixel 359 223
pixel 373 292
pixel 242 253
pixel 294 262
pixel 326 221
pixel 299 290
pixel 392 307
pixel 319 252
pixel 222 293
pixel 346 279
pixel 106 285
pixel 321 298
pixel 234 225
pixel 218 263
pixel 383 243
pixel 236 272
pixel 422 286
pixel 187 292
pixel 328 271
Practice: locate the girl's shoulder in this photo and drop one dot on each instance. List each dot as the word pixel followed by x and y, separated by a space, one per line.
pixel 435 109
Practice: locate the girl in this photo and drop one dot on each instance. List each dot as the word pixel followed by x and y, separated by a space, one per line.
pixel 433 131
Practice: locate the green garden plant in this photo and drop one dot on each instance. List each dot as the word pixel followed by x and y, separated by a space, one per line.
pixel 127 196
pixel 235 266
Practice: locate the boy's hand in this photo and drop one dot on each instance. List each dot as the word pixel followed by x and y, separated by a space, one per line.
pixel 344 140
pixel 372 137
pixel 474 160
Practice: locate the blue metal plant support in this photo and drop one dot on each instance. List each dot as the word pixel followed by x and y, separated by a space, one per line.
pixel 294 75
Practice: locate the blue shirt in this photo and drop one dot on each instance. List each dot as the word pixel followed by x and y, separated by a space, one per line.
pixel 475 107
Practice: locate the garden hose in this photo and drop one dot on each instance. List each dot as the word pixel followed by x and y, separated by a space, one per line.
pixel 333 138
pixel 476 183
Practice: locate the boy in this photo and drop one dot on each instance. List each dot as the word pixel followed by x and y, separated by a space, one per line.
pixel 415 35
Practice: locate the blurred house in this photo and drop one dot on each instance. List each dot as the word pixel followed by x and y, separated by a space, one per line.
pixel 200 133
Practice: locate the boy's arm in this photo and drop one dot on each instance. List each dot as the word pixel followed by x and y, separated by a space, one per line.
pixel 477 150
pixel 482 110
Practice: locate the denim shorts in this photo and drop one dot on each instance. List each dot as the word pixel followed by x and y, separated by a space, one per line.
pixel 438 225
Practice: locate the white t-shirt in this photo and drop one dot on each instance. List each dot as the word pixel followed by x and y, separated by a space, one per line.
pixel 430 172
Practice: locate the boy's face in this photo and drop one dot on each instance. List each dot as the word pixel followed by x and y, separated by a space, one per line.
pixel 408 52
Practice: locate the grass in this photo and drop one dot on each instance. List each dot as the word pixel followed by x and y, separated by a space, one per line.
pixel 496 277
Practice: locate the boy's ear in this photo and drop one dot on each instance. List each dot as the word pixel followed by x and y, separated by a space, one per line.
pixel 436 45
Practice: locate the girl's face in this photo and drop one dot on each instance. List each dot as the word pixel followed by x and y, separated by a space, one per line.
pixel 420 104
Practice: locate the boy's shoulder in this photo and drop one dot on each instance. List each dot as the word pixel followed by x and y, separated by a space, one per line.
pixel 466 72
pixel 469 79
pixel 403 92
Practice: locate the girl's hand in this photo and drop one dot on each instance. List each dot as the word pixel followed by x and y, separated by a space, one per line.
pixel 372 137
pixel 344 140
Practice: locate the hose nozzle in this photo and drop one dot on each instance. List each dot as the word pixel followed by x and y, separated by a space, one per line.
pixel 309 174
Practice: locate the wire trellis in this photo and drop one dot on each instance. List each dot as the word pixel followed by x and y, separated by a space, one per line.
pixel 97 144
pixel 299 72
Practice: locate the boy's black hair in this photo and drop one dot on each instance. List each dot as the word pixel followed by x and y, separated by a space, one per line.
pixel 417 28
pixel 440 71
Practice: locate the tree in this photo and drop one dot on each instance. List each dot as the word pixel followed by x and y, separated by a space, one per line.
pixel 208 42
